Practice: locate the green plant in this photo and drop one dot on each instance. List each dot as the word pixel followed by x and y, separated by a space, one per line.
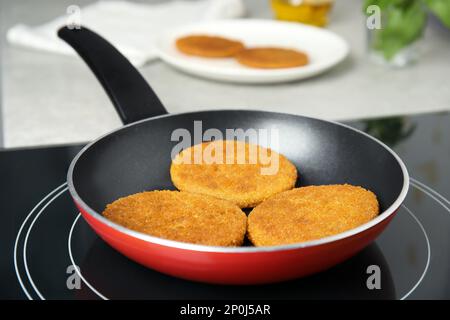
pixel 403 22
pixel 389 130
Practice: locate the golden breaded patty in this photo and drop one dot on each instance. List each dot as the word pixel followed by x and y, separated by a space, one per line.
pixel 245 183
pixel 180 216
pixel 208 46
pixel 271 58
pixel 310 213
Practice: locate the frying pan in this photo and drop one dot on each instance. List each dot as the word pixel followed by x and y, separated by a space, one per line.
pixel 137 157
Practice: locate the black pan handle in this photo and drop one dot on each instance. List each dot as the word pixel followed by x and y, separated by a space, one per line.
pixel 130 94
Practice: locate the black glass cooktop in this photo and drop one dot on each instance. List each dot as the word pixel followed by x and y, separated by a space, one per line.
pixel 43 236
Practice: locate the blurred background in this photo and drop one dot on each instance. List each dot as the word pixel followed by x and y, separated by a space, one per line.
pixel 50 98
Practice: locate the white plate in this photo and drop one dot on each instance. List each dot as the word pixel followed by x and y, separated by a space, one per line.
pixel 325 49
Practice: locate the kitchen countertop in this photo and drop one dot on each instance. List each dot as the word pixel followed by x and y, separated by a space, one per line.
pixel 52 99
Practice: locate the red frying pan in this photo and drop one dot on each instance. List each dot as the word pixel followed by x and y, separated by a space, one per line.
pixel 137 157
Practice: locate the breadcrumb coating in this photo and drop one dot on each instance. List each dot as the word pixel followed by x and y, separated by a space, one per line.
pixel 208 46
pixel 243 184
pixel 271 58
pixel 180 216
pixel 310 213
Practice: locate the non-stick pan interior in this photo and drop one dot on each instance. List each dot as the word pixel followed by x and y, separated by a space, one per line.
pixel 137 158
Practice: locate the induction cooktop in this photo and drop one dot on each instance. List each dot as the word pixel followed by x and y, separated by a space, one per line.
pixel 49 252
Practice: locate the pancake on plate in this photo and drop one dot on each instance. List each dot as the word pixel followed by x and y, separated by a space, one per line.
pixel 208 46
pixel 180 216
pixel 310 213
pixel 247 174
pixel 271 58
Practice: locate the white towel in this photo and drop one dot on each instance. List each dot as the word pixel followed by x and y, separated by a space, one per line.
pixel 131 27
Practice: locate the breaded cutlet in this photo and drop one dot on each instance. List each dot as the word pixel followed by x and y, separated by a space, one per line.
pixel 208 46
pixel 245 184
pixel 180 216
pixel 310 213
pixel 271 58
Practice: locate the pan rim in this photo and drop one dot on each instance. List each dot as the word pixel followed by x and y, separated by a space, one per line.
pixel 217 249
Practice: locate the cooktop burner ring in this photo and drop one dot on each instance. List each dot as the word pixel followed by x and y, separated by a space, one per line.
pixel 57 192
pixel 430 192
pixel 425 270
pixel 16 268
pixel 72 260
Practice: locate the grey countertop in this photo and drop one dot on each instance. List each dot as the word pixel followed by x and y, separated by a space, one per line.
pixel 52 99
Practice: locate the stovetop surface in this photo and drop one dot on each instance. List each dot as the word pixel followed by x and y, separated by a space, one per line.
pixel 42 235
